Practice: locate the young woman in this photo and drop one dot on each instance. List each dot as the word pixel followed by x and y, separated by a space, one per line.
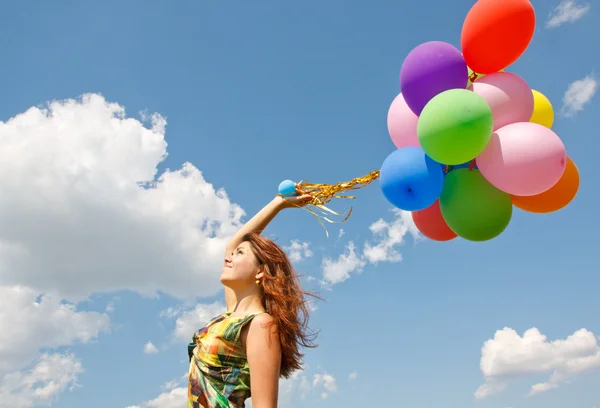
pixel 243 352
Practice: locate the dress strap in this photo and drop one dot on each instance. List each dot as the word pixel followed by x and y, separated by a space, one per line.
pixel 240 325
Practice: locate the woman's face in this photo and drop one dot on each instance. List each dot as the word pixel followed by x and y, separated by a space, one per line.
pixel 241 266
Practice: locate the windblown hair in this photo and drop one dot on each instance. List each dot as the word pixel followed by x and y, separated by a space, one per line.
pixel 284 300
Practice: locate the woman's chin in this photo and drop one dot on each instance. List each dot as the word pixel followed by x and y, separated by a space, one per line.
pixel 227 279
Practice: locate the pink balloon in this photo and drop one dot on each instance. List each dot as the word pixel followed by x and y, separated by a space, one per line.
pixel 523 159
pixel 402 123
pixel 508 95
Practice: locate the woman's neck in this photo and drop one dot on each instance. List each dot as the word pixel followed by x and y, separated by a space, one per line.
pixel 247 303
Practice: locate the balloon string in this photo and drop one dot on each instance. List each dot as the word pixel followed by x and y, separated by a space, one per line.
pixel 322 194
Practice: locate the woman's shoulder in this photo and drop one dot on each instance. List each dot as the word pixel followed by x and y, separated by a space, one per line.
pixel 261 318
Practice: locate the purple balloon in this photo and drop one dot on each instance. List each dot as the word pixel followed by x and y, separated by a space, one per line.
pixel 430 69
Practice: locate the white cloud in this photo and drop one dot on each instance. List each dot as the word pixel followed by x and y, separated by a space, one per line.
pixel 567 11
pixel 83 209
pixel 289 388
pixel 298 251
pixel 53 374
pixel 337 271
pixel 353 376
pixel 174 395
pixel 150 348
pixel 192 320
pixel 327 381
pixel 509 356
pixel 29 322
pixel 174 398
pixel 298 386
pixel 387 236
pixel 578 94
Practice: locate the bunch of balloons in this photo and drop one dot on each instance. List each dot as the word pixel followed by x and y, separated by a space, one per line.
pixel 473 140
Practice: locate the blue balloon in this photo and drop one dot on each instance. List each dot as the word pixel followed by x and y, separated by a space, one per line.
pixel 411 180
pixel 287 188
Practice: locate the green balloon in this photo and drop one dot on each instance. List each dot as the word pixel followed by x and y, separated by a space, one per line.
pixel 472 207
pixel 455 126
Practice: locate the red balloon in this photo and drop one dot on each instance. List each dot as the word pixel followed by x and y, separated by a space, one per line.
pixel 431 223
pixel 496 33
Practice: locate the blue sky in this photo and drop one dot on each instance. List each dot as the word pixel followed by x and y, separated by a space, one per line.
pixel 103 283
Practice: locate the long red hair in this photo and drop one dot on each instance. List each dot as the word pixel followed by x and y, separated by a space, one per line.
pixel 284 300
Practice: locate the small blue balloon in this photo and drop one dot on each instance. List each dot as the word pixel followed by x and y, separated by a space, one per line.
pixel 411 180
pixel 287 188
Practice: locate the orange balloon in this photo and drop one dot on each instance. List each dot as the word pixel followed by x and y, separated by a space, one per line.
pixel 431 223
pixel 559 196
pixel 496 33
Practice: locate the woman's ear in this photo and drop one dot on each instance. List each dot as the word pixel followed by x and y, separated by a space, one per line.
pixel 261 271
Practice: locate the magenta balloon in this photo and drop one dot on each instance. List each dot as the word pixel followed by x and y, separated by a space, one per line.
pixel 430 69
pixel 523 159
pixel 508 95
pixel 402 124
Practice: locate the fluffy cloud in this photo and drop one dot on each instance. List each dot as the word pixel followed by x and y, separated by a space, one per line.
pixel 290 389
pixel 298 251
pixel 387 236
pixel 567 11
pixel 53 374
pixel 509 356
pixel 174 398
pixel 85 211
pixel 578 94
pixel 338 270
pixel 150 348
pixel 30 322
pixel 327 382
pixel 190 321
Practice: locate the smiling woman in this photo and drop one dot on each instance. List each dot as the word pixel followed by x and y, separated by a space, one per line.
pixel 243 352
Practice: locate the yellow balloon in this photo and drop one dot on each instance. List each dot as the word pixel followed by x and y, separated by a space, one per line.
pixel 543 114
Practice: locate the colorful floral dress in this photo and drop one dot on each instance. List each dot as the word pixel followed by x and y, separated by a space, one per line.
pixel 219 376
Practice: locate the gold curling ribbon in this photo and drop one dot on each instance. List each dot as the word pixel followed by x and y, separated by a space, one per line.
pixel 322 194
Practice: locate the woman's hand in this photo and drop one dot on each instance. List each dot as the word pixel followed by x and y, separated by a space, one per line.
pixel 293 201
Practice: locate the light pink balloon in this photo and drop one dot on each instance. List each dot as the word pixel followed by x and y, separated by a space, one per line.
pixel 508 95
pixel 402 124
pixel 523 159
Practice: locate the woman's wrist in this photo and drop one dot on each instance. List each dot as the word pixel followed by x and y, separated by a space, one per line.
pixel 278 202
